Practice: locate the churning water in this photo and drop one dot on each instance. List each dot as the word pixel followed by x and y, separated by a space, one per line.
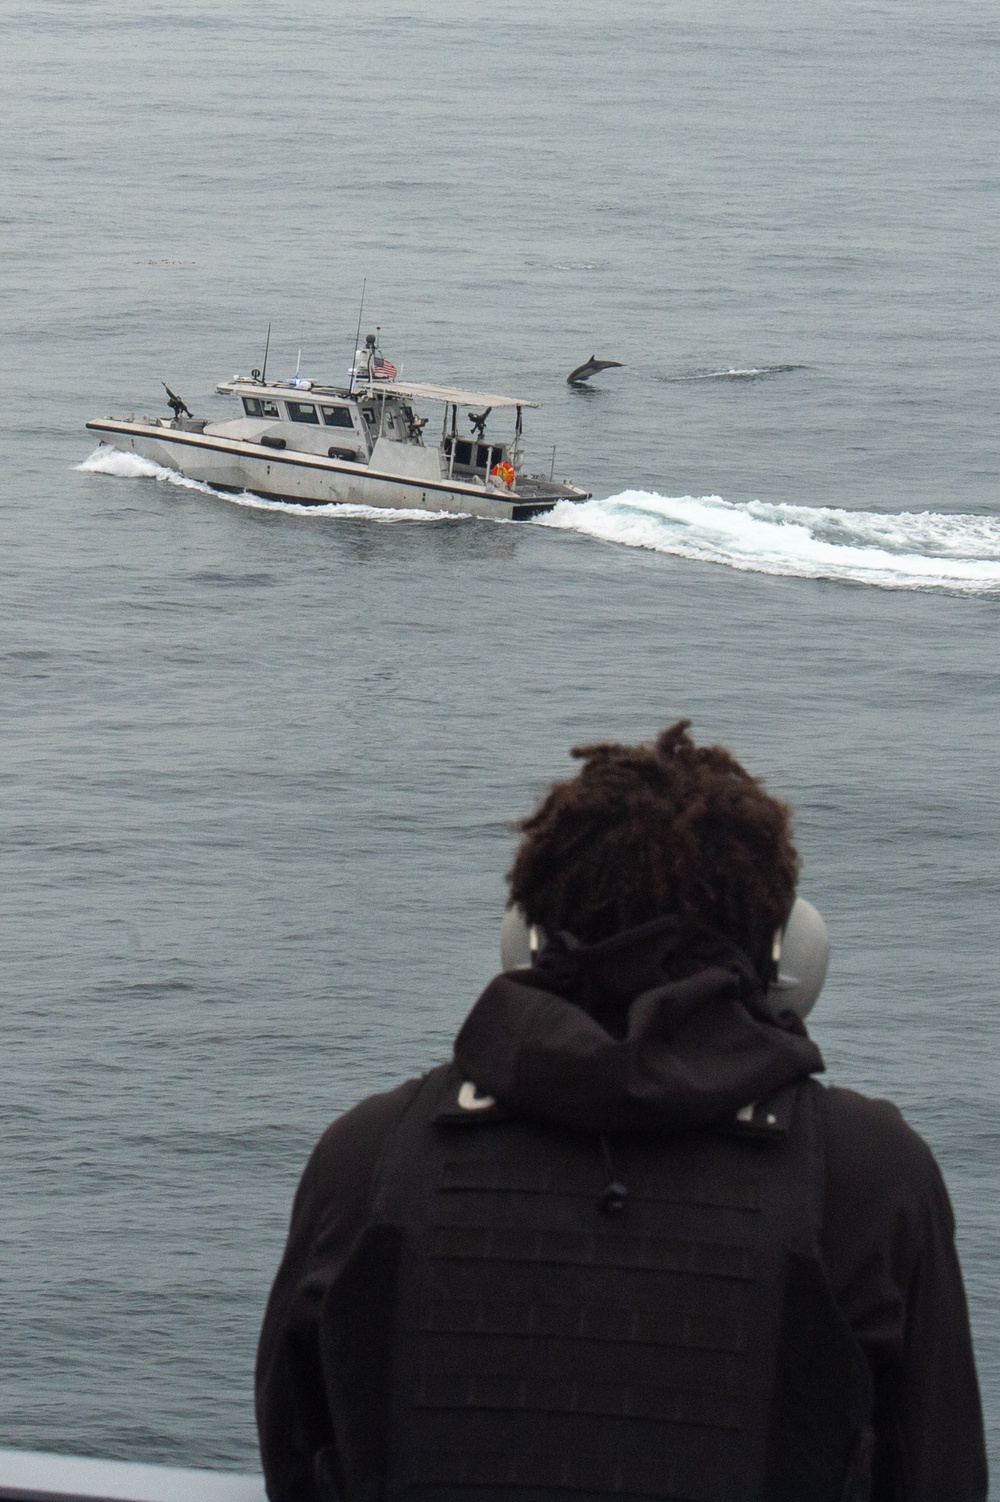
pixel 897 550
pixel 902 550
pixel 259 761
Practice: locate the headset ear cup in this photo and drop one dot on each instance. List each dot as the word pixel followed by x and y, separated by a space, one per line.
pixel 519 941
pixel 805 955
pixel 515 940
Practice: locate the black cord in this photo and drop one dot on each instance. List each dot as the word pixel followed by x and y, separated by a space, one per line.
pixel 613 1198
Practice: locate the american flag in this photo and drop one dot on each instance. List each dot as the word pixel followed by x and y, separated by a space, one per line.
pixel 383 369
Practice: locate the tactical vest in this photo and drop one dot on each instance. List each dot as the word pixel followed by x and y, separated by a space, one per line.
pixel 538 1315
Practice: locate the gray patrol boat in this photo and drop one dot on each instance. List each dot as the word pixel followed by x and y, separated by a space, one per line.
pixel 362 444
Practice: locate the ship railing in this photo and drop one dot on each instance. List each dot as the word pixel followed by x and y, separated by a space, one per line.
pixel 31 1476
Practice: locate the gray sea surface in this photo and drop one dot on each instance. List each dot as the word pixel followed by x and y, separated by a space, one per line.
pixel 258 766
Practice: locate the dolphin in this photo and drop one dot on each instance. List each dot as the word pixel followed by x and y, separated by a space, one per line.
pixel 588 368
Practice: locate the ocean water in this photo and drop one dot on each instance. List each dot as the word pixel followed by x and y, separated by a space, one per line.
pixel 259 763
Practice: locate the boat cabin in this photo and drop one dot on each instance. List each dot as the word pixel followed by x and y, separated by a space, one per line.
pixel 342 424
pixel 350 424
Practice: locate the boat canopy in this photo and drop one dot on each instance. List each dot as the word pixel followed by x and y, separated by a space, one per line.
pixel 421 392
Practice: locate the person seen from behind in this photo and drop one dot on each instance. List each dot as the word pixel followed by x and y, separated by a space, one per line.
pixel 625 1245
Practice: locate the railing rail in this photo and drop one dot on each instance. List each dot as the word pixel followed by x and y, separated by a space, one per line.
pixel 29 1476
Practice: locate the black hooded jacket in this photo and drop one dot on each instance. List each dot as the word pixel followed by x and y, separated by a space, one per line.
pixel 660 1030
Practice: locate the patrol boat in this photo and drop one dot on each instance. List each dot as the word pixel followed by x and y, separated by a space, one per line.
pixel 362 444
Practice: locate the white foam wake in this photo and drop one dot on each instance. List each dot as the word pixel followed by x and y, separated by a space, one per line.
pixel 900 550
pixel 737 373
pixel 905 550
pixel 110 461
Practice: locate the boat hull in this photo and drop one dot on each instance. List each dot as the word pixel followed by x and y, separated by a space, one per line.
pixel 310 479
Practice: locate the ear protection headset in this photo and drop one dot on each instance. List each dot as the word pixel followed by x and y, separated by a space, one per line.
pixel 801 954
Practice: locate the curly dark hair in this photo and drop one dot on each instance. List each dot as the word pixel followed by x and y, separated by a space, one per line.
pixel 647 831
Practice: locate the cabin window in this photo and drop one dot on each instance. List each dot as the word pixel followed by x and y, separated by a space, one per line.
pixel 302 412
pixel 255 406
pixel 472 455
pixel 337 417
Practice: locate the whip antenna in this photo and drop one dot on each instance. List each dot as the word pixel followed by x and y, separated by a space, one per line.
pixel 354 356
pixel 267 346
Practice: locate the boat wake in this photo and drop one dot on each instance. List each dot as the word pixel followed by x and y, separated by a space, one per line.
pixel 904 550
pixel 737 373
pixel 110 461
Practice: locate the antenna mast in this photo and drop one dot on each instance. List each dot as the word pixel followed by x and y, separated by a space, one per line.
pixel 364 284
pixel 267 346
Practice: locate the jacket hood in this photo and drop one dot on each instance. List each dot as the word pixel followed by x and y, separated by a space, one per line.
pixel 661 1027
